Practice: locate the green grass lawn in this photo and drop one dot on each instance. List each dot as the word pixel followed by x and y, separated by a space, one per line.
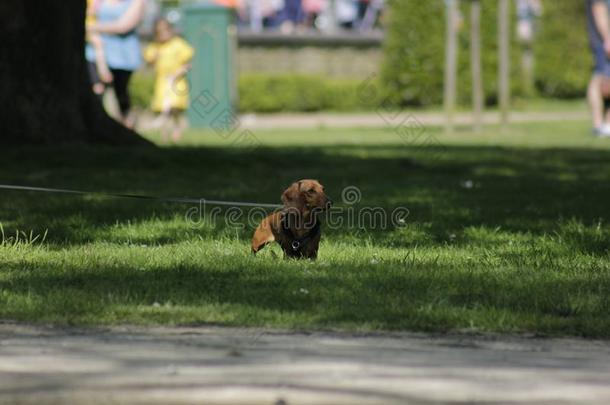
pixel 507 232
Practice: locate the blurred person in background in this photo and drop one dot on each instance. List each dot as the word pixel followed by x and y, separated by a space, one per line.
pixel 291 16
pixel 368 13
pixel 528 12
pixel 242 9
pixel 346 12
pixel 234 4
pixel 363 5
pixel 171 57
pixel 116 21
pixel 313 9
pixel 251 12
pixel 265 13
pixel 99 72
pixel 598 27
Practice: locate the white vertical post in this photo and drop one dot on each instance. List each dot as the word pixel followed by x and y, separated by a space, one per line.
pixel 451 53
pixel 475 62
pixel 504 60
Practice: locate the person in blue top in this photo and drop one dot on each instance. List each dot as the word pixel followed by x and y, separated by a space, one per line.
pixel 116 21
pixel 598 27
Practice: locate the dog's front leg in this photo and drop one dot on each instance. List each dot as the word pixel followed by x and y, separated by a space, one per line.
pixel 262 236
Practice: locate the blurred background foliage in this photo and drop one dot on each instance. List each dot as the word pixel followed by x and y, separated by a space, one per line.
pixel 413 68
pixel 411 74
pixel 563 58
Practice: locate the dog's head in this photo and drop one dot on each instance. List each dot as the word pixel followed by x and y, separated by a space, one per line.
pixel 306 195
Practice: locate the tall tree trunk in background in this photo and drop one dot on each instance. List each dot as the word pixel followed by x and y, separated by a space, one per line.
pixel 46 96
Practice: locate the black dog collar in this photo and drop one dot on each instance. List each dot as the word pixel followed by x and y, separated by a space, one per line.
pixel 297 244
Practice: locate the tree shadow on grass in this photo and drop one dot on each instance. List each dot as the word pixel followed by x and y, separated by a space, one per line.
pixel 445 189
pixel 431 296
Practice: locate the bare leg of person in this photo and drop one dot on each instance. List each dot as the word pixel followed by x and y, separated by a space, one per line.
pixel 129 121
pixel 177 126
pixel 166 129
pixel 596 103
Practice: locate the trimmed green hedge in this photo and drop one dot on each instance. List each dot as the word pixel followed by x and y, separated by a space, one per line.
pixel 280 93
pixel 563 58
pixel 413 68
pixel 284 93
pixel 263 93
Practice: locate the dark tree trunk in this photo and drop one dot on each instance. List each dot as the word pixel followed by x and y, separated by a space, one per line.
pixel 45 94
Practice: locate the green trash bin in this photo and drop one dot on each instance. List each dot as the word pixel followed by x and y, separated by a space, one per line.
pixel 210 29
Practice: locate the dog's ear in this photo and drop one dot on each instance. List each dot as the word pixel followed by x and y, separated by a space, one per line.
pixel 292 196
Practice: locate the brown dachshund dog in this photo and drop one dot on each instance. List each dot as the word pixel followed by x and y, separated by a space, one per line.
pixel 296 226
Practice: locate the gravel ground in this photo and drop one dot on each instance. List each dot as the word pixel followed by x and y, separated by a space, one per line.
pixel 214 365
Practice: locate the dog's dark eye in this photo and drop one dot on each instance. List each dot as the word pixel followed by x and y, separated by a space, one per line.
pixel 311 191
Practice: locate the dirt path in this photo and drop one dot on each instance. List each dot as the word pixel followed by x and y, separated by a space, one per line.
pixel 371 120
pixel 211 365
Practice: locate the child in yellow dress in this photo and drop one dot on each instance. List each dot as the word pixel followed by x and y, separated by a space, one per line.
pixel 99 71
pixel 171 57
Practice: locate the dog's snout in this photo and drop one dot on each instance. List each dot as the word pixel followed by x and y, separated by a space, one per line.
pixel 329 203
